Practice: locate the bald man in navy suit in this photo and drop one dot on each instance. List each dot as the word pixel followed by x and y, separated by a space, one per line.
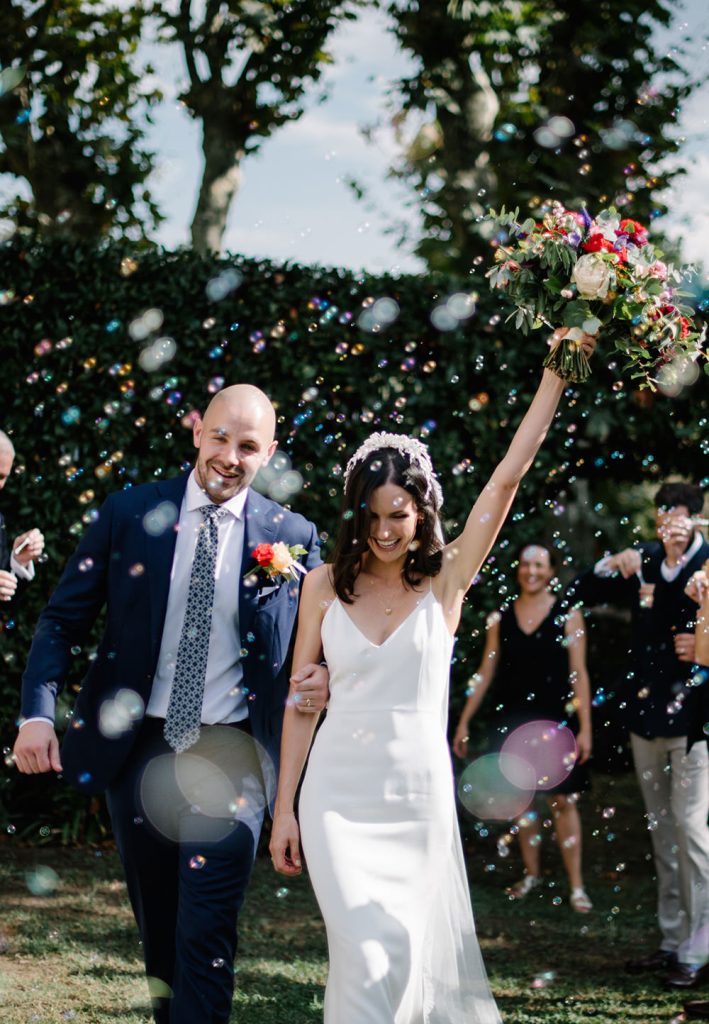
pixel 190 631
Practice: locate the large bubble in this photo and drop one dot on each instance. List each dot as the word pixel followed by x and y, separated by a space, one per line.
pixel 199 795
pixel 549 748
pixel 497 787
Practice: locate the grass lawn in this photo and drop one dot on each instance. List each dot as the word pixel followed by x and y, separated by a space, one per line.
pixel 73 955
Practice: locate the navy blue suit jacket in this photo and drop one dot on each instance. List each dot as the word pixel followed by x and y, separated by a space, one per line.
pixel 120 566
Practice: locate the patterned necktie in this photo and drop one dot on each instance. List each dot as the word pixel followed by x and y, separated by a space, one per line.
pixel 184 710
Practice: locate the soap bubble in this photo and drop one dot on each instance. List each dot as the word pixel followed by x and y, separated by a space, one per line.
pixel 119 714
pixel 160 518
pixel 226 777
pixel 497 787
pixel 548 747
pixel 42 880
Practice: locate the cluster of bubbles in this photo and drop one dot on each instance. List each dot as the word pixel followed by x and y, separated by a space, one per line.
pixel 155 355
pixel 219 287
pixel 448 315
pixel 678 374
pixel 161 518
pixel 554 132
pixel 377 314
pixel 278 479
pixel 118 715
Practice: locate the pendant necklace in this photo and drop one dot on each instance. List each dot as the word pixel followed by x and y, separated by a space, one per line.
pixel 387 606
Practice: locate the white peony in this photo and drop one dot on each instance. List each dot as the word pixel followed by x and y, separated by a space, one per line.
pixel 592 276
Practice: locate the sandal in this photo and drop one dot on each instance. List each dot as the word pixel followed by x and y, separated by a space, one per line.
pixel 523 888
pixel 579 901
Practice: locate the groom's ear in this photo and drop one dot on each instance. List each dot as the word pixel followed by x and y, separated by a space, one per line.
pixel 270 451
pixel 197 428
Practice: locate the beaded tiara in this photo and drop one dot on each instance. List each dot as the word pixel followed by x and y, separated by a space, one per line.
pixel 414 450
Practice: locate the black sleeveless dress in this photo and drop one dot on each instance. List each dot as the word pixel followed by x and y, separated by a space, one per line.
pixel 532 683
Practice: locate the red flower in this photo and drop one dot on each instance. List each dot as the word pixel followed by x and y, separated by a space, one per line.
pixel 263 554
pixel 597 243
pixel 635 231
pixel 622 254
pixel 684 328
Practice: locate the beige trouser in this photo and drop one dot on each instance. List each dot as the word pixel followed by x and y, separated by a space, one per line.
pixel 675 788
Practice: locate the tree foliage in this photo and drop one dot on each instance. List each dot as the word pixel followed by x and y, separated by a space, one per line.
pixel 511 102
pixel 71 102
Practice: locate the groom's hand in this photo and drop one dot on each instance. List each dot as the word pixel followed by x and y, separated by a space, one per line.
pixel 37 749
pixel 311 688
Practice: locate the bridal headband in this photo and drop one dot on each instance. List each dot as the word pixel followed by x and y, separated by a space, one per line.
pixel 414 450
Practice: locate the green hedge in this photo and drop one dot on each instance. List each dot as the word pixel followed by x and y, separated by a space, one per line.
pixel 87 418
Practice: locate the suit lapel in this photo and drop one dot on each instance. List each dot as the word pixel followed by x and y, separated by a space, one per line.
pixel 696 562
pixel 259 528
pixel 161 551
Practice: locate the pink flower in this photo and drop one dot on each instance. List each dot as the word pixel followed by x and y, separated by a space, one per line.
pixel 658 269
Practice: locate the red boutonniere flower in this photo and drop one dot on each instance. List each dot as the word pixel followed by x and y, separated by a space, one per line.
pixel 277 560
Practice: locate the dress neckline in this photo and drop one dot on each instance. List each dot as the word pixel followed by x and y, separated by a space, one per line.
pixel 524 632
pixel 403 622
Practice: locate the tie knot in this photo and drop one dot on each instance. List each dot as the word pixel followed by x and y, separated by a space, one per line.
pixel 212 512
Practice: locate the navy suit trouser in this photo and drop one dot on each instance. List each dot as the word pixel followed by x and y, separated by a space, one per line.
pixel 187 828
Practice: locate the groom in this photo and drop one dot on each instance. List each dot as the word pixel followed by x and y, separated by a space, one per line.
pixel 179 716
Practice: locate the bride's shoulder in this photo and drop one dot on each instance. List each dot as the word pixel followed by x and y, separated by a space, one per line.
pixel 319 581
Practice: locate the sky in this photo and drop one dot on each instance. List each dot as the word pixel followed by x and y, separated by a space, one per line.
pixel 295 203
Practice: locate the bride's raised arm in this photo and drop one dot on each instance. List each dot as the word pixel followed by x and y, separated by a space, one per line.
pixel 463 557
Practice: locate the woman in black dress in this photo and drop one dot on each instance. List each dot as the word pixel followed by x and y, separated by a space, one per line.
pixel 536 653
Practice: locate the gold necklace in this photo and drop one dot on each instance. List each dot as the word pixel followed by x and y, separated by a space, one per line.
pixel 387 606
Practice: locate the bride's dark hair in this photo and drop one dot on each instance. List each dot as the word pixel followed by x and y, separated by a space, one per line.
pixel 384 466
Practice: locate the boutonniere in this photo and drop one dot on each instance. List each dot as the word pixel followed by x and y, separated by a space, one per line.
pixel 278 560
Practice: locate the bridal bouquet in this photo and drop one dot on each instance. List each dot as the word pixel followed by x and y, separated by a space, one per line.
pixel 573 271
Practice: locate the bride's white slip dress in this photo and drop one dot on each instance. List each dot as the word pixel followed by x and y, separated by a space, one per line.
pixel 380 833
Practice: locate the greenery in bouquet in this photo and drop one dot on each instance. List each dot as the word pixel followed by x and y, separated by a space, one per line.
pixel 587 274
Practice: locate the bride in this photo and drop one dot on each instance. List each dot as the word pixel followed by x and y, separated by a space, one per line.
pixel 377 810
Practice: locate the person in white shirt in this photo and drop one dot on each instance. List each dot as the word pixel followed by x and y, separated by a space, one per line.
pixel 16 559
pixel 650 579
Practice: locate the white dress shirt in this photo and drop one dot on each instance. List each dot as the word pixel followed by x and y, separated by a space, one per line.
pixel 223 698
pixel 23 572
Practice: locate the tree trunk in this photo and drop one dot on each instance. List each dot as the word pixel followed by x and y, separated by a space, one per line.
pixel 221 180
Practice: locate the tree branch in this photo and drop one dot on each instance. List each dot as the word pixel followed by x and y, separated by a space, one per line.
pixel 187 39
